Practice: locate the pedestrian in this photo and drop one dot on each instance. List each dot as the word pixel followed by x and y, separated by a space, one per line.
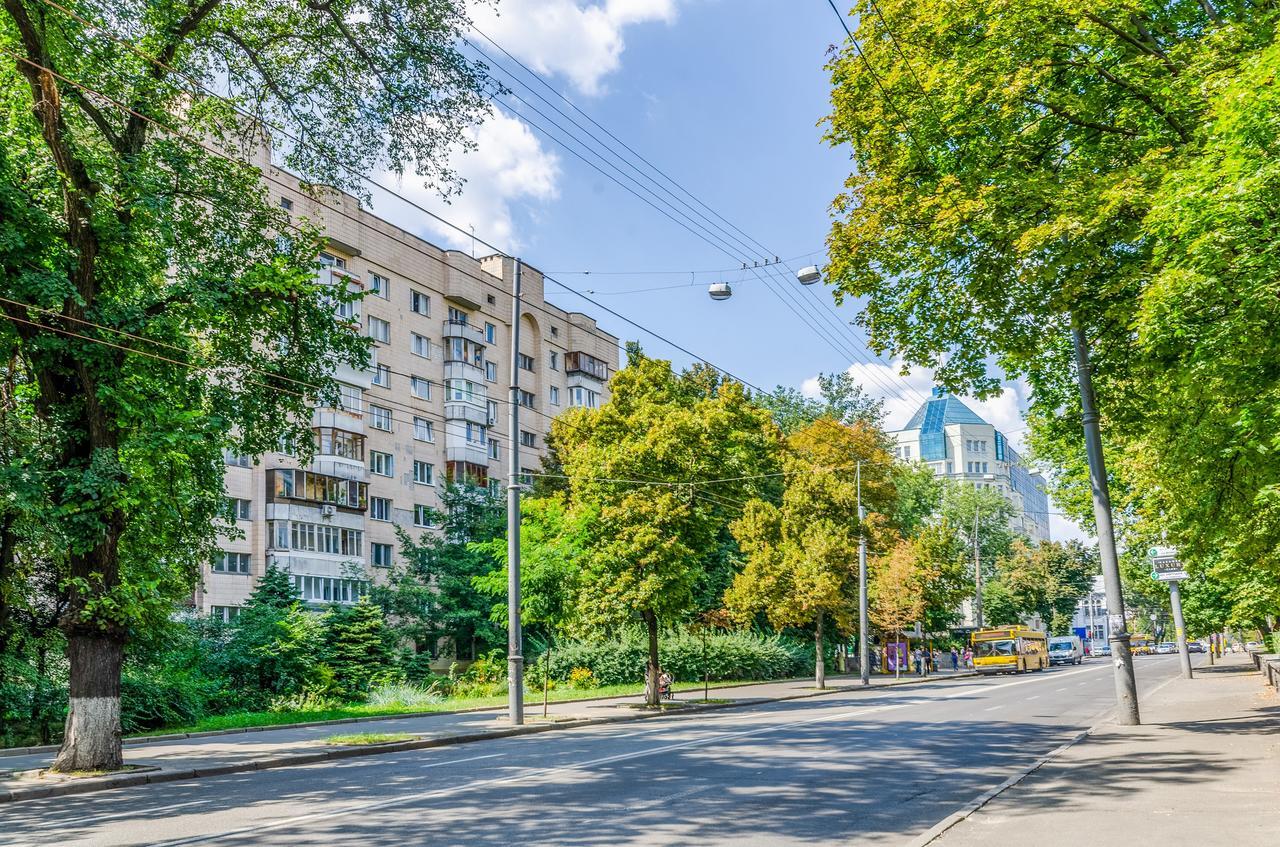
pixel 955 660
pixel 968 658
pixel 920 660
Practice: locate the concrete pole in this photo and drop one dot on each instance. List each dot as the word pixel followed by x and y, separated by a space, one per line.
pixel 977 573
pixel 515 657
pixel 864 626
pixel 1180 629
pixel 1117 632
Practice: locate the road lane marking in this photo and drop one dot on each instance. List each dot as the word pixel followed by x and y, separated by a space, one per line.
pixel 1034 697
pixel 969 689
pixel 993 708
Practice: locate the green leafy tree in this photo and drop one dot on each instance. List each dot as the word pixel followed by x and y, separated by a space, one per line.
pixel 919 495
pixel 153 317
pixel 649 537
pixel 801 558
pixel 357 648
pixel 1047 580
pixel 895 595
pixel 839 398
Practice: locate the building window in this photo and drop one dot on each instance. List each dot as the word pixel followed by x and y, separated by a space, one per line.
pixel 553 361
pixel 477 434
pixel 350 398
pixel 226 614
pixel 421 346
pixel 380 555
pixel 555 396
pixel 379 286
pixel 457 316
pixel 226 562
pixel 494 488
pixel 494 451
pixel 382 376
pixel 328 589
pixel 422 515
pixel 555 332
pixel 491 406
pixel 420 387
pixel 382 464
pixel 380 418
pixel 379 330
pixel 236 460
pixel 423 430
pixel 906 452
pixel 584 398
pixel 527 399
pixel 328 260
pixel 984 468
pixel 527 439
pixel 526 362
pixel 491 371
pixel 490 333
pixel 241 510
pixel 462 391
pixel 379 508
pixel 286 204
pixel 491 300
pixel 526 476
pixel 950 469
pixel 423 473
pixel 419 302
pixel 339 442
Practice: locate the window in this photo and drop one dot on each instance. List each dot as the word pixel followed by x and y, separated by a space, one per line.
pixel 422 515
pixel 490 333
pixel 494 488
pixel 350 398
pixel 949 468
pixel 226 562
pixel 491 371
pixel 420 387
pixel 906 452
pixel 379 330
pixel 526 476
pixel 328 260
pixel 527 439
pixel 527 398
pixel 423 430
pixel 553 361
pixel 339 442
pixel 419 302
pixel 380 418
pixel 226 614
pixel 984 468
pixel 286 204
pixel 382 376
pixel 492 407
pixel 462 391
pixel 379 509
pixel 329 589
pixel 241 510
pixel 236 460
pixel 555 396
pixel 421 346
pixel 382 464
pixel 379 286
pixel 380 555
pixel 477 434
pixel 457 316
pixel 290 484
pixel 462 350
pixel 526 362
pixel 494 452
pixel 491 300
pixel 584 397
pixel 555 332
pixel 423 473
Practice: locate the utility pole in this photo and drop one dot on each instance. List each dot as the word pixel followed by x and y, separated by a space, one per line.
pixel 1117 633
pixel 515 657
pixel 977 573
pixel 1180 629
pixel 864 647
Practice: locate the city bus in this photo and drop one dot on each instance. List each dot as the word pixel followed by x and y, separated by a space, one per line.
pixel 1141 645
pixel 1009 649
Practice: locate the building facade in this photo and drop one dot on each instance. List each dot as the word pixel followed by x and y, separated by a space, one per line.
pixel 958 444
pixel 432 406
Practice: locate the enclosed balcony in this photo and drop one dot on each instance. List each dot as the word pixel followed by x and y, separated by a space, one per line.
pixel 577 362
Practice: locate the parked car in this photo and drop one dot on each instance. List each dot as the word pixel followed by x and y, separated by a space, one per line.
pixel 1065 650
pixel 1100 648
pixel 1252 645
pixel 1195 647
pixel 1164 648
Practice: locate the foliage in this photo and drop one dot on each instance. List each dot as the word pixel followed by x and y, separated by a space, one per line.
pixel 839 398
pixel 896 601
pixel 1047 580
pixel 582 678
pixel 357 648
pixel 403 695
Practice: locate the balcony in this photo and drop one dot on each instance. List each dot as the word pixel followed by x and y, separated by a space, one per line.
pixel 300 486
pixel 577 362
pixel 458 329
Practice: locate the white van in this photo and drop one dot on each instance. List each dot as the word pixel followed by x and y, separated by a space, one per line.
pixel 1065 650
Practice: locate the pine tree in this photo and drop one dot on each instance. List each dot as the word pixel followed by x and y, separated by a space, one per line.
pixel 358 647
pixel 274 591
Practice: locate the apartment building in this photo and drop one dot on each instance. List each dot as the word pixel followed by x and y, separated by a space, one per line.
pixel 958 444
pixel 433 406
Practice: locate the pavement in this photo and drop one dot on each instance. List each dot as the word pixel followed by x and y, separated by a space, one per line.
pixel 1203 769
pixel 863 767
pixel 208 754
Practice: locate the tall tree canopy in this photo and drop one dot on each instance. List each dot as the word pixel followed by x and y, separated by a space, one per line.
pixel 153 317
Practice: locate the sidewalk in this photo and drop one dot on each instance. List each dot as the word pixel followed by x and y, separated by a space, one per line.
pixel 209 755
pixel 1204 769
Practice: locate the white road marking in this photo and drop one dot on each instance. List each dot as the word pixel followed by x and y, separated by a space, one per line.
pixel 969 689
pixel 1034 697
pixel 993 708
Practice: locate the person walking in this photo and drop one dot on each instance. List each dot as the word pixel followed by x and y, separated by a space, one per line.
pixel 955 660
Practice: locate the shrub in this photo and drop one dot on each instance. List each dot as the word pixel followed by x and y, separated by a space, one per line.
pixel 154 698
pixel 582 678
pixel 405 695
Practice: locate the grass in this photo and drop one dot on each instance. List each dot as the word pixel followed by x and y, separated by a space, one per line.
pixel 361 739
pixel 247 720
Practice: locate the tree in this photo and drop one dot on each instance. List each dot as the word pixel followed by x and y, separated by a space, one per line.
pixel 801 558
pixel 152 316
pixel 919 495
pixel 1047 580
pixel 896 600
pixel 650 534
pixel 839 398
pixel 357 647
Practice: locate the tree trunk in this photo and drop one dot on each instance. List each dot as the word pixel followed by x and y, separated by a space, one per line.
pixel 819 664
pixel 92 738
pixel 651 672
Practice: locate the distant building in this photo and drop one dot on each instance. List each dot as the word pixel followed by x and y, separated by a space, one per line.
pixel 960 445
pixel 1091 614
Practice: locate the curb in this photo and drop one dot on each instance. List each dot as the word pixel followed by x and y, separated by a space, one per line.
pixel 93 784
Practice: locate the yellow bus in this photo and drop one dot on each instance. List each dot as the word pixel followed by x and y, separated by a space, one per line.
pixel 1009 649
pixel 1141 645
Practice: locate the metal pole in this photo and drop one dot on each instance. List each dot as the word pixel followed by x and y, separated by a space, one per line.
pixel 1180 629
pixel 1117 633
pixel 977 573
pixel 864 626
pixel 515 659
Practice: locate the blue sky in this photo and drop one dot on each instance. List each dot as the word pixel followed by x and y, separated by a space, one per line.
pixel 723 95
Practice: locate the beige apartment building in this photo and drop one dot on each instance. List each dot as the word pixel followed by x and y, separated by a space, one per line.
pixel 433 406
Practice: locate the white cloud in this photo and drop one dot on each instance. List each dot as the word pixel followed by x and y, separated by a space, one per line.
pixel 508 167
pixel 581 43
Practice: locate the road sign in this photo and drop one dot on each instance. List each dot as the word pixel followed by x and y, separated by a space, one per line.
pixel 1169 576
pixel 1165 566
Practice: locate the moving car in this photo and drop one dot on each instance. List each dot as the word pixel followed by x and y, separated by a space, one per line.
pixel 1065 650
pixel 1100 648
pixel 1164 648
pixel 1195 647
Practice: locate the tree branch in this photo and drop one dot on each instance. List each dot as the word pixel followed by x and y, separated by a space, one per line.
pixel 1072 118
pixel 1148 49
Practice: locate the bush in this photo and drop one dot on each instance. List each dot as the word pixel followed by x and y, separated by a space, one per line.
pixel 154 698
pixel 582 678
pixel 729 655
pixel 405 695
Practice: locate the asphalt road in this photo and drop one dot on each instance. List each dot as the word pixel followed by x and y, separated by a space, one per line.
pixel 849 768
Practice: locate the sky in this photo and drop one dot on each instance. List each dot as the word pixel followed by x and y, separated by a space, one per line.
pixel 726 98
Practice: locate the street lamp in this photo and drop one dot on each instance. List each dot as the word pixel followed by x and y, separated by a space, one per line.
pixel 977 563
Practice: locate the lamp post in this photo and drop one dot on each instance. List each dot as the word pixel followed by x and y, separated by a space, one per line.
pixel 864 648
pixel 515 657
